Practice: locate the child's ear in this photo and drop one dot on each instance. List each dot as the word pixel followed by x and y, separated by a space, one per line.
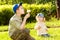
pixel 44 19
pixel 17 9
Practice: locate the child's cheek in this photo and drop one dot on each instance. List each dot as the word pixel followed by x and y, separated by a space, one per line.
pixel 41 18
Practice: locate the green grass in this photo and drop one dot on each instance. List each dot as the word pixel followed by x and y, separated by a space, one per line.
pixel 54 32
pixel 55 23
pixel 51 24
pixel 2 28
pixel 4 36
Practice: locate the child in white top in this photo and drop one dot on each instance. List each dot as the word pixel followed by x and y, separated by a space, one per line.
pixel 40 25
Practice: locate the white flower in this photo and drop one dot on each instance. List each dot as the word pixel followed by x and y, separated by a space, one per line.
pixel 28 11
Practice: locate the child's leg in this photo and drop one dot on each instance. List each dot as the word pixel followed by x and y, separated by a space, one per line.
pixel 27 35
pixel 45 35
pixel 20 34
pixel 48 35
pixel 29 38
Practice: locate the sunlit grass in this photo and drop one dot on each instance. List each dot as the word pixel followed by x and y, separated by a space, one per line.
pixel 54 35
pixel 54 32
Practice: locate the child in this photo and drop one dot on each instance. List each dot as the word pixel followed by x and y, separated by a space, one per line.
pixel 17 30
pixel 40 25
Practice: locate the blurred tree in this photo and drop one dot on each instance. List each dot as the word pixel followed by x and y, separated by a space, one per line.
pixel 25 1
pixel 43 1
pixel 58 8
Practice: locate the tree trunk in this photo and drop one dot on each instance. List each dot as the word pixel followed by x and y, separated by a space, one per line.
pixel 58 8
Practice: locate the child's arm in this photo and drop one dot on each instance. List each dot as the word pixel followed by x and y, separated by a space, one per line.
pixel 46 29
pixel 37 27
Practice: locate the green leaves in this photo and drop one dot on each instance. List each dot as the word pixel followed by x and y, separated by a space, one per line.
pixel 6 11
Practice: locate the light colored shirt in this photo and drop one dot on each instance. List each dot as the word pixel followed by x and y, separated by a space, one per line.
pixel 14 24
pixel 43 28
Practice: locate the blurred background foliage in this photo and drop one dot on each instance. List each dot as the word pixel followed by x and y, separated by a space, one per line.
pixel 47 7
pixel 2 2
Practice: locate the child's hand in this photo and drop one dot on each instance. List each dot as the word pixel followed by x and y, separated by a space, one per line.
pixel 36 18
pixel 27 16
pixel 37 28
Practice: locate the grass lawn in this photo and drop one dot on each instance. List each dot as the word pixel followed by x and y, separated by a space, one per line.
pixel 53 23
pixel 54 32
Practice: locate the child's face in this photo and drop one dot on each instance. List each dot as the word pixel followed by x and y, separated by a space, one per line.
pixel 39 19
pixel 21 10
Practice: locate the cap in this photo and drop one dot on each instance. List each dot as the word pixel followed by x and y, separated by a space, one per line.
pixel 16 6
pixel 40 14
